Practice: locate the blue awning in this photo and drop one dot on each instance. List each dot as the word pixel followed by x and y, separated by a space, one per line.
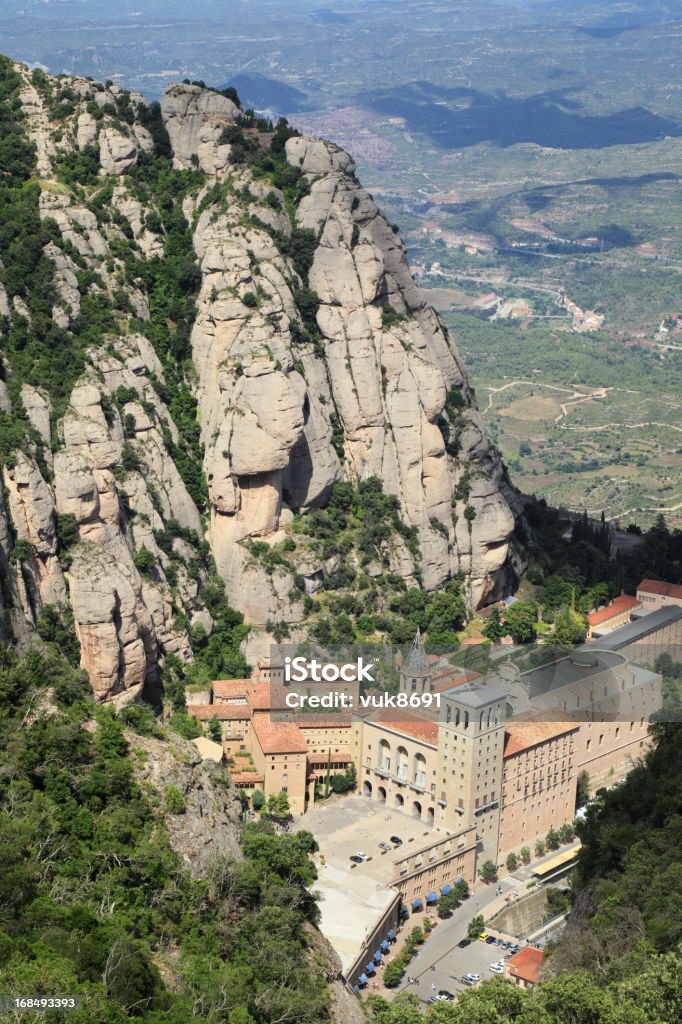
pixel 432 897
pixel 417 904
pixel 445 890
pixel 391 935
pixel 371 969
pixel 377 956
pixel 384 945
pixel 363 979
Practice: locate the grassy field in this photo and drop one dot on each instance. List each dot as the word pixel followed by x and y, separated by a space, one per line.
pixel 579 421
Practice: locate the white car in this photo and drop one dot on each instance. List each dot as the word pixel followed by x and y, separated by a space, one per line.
pixel 362 856
pixel 496 968
pixel 385 846
pixel 474 977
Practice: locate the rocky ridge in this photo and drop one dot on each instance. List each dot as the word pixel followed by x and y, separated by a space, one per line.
pixel 309 357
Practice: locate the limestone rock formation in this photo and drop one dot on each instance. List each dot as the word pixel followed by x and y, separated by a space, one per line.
pixel 117 151
pixel 231 340
pixel 195 118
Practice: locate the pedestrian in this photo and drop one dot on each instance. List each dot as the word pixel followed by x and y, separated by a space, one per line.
pixel 433 967
pixel 433 986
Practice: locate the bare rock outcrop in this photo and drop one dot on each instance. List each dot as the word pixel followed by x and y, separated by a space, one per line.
pixel 209 826
pixel 117 151
pixel 194 118
pixel 31 506
pixel 112 622
pixel 267 426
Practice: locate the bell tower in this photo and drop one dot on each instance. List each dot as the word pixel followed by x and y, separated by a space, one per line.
pixel 415 674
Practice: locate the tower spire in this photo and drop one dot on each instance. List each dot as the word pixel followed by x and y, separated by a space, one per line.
pixel 417 656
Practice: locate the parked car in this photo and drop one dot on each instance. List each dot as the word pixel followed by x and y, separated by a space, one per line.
pixel 491 940
pixel 466 980
pixel 464 943
pixel 396 840
pixel 496 968
pixel 359 858
pixel 475 978
pixel 385 846
pixel 444 994
pixel 483 936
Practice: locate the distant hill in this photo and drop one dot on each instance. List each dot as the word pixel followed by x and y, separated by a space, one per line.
pixel 263 93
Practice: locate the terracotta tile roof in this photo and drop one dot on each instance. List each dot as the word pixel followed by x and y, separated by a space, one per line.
pixel 335 758
pixel 526 964
pixel 240 777
pixel 453 680
pixel 261 696
pixel 522 735
pixel 223 712
pixel 621 604
pixel 232 687
pixel 410 725
pixel 660 587
pixel 279 737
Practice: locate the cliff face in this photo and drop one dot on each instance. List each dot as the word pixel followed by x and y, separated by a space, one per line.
pixel 239 331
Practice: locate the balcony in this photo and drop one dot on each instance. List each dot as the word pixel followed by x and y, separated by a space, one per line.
pixel 418 786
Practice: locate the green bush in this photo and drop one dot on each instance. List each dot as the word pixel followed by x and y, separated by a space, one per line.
pixel 174 800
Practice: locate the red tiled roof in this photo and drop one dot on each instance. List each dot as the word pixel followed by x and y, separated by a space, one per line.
pixel 223 712
pixel 409 725
pixel 522 735
pixel 261 696
pixel 334 758
pixel 279 737
pixel 526 964
pixel 238 777
pixel 465 677
pixel 232 687
pixel 621 604
pixel 660 587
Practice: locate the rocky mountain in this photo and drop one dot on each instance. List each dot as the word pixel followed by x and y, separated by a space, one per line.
pixel 208 330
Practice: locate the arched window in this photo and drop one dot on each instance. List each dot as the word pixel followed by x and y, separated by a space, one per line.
pixel 384 756
pixel 419 771
pixel 401 768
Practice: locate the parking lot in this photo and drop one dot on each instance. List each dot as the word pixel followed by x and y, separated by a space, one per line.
pixel 451 963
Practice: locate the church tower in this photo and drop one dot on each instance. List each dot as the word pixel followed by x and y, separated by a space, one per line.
pixel 415 674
